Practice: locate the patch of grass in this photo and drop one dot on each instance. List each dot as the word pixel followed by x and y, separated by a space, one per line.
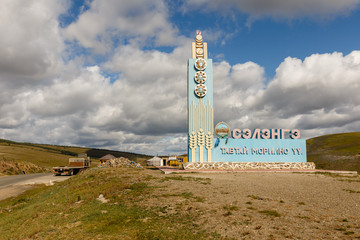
pixel 148 178
pixel 230 207
pixel 204 181
pixel 255 197
pixel 271 213
pixel 138 187
pixel 228 213
pixel 246 222
pixel 342 229
pixel 251 208
pixel 351 191
pixel 186 195
pixel 175 178
pixel 349 180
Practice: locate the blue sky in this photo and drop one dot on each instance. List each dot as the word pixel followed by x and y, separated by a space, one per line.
pixel 112 74
pixel 266 41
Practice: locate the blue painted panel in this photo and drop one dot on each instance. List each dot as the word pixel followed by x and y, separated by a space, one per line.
pixel 260 150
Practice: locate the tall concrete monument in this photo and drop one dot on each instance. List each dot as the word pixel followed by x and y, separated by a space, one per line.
pixel 221 147
pixel 200 103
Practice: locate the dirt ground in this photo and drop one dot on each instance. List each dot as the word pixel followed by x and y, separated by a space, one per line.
pixel 263 205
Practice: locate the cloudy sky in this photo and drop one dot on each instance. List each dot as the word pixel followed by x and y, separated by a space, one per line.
pixel 112 73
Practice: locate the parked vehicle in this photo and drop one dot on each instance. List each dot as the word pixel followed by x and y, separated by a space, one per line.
pixel 75 166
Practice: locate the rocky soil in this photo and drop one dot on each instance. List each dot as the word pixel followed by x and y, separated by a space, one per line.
pixel 120 163
pixel 263 205
pixel 9 167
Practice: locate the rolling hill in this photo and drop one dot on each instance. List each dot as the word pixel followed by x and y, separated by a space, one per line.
pixel 335 152
pixel 15 156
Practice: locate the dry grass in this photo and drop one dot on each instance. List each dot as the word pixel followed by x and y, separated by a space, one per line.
pixel 335 151
pixel 70 210
pixel 45 156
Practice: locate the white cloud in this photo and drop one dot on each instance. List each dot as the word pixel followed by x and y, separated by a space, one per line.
pixel 278 8
pixel 138 21
pixel 152 90
pixel 30 50
pixel 30 44
pixel 234 87
pixel 321 81
pixel 320 93
pixel 70 96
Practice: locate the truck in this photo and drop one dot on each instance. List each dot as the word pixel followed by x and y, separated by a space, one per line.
pixel 76 165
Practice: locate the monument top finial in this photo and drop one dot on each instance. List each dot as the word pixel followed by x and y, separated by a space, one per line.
pixel 199 48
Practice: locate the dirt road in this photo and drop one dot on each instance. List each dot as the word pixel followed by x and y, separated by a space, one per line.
pixel 14 185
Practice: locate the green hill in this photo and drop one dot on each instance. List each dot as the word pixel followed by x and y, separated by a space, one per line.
pixel 335 152
pixel 15 156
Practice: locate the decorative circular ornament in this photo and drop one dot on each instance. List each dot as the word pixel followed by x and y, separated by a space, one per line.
pixel 200 77
pixel 200 64
pixel 200 90
pixel 199 51
pixel 222 130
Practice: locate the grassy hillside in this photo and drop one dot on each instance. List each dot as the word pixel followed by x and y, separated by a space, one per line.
pixel 70 209
pixel 16 156
pixel 335 151
pixel 39 154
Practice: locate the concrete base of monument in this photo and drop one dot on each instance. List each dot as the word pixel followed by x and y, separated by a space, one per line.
pixel 169 169
pixel 249 165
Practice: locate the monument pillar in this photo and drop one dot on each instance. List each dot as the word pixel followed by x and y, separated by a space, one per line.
pixel 200 103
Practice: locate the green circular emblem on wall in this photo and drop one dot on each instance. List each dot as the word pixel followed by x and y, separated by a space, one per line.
pixel 222 130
